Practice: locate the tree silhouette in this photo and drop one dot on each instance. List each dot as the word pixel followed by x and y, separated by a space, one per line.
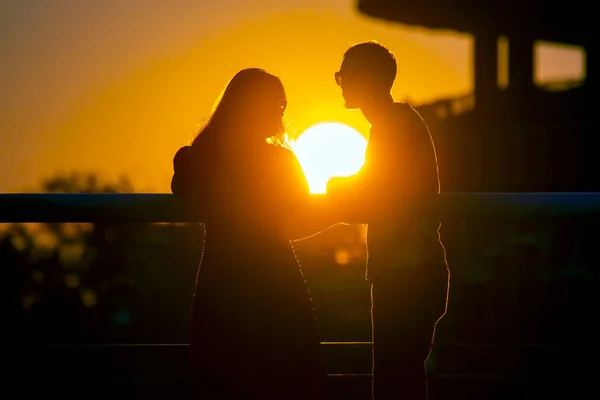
pixel 60 271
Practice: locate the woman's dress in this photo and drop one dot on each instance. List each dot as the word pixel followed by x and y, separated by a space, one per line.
pixel 253 331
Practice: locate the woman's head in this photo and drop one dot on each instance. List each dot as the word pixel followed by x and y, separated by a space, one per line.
pixel 249 110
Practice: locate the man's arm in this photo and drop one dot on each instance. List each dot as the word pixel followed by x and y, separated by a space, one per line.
pixel 352 197
pixel 398 177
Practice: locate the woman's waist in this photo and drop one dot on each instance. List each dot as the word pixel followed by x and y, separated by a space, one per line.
pixel 252 247
pixel 254 242
pixel 239 265
pixel 242 231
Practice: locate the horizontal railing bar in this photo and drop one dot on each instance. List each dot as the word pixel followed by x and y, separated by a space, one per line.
pixel 181 344
pixel 441 344
pixel 118 207
pixel 183 377
pixel 60 346
pixel 521 345
pixel 175 377
pixel 429 374
pixel 494 377
pixel 346 343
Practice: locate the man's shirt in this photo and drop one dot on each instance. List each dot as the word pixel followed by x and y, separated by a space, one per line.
pixel 392 191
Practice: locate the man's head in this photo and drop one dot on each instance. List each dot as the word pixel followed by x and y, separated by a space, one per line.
pixel 368 71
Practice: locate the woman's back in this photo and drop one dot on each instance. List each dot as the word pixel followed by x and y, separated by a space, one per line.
pixel 253 333
pixel 241 193
pixel 252 315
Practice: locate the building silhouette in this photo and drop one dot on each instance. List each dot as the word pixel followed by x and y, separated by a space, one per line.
pixel 517 136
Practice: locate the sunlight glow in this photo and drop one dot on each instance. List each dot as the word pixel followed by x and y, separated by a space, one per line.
pixel 327 150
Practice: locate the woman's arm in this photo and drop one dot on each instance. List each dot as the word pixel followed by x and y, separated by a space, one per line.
pixel 322 217
pixel 181 182
pixel 185 183
pixel 353 197
pixel 305 215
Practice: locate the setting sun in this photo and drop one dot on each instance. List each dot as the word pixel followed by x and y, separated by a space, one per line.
pixel 327 150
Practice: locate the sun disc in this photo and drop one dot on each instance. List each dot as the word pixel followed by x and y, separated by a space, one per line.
pixel 327 150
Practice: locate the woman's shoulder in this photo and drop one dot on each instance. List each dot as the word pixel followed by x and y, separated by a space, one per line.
pixel 183 157
pixel 183 152
pixel 283 154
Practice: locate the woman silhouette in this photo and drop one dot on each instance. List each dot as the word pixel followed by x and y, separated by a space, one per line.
pixel 253 333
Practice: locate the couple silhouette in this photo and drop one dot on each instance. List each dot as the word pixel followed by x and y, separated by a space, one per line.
pixel 253 331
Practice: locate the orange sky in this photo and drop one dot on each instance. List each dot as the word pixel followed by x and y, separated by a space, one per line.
pixel 117 87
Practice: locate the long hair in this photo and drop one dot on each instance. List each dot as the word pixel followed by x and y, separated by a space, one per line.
pixel 249 110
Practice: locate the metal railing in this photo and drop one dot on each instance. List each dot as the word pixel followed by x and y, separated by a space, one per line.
pixel 110 207
pixel 151 208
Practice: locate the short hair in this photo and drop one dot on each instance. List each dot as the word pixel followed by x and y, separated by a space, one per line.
pixel 374 59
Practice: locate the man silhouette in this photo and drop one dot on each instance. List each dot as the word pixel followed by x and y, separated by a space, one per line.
pixel 406 259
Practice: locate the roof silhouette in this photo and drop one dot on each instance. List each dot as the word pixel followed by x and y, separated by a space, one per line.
pixel 553 21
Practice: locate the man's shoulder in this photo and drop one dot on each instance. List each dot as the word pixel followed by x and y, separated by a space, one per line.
pixel 408 119
pixel 406 110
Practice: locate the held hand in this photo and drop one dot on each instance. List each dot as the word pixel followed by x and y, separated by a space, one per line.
pixel 345 203
pixel 335 184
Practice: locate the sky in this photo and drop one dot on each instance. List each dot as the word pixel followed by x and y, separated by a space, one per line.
pixel 115 87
